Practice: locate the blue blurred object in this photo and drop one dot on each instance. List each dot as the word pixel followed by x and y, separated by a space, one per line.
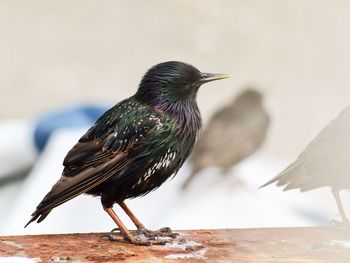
pixel 83 115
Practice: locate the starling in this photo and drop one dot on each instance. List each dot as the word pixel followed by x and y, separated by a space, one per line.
pixel 135 146
pixel 232 134
pixel 324 162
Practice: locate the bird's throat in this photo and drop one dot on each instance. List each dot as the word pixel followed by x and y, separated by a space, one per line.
pixel 186 114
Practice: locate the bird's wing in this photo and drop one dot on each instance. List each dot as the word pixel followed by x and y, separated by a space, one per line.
pixel 99 154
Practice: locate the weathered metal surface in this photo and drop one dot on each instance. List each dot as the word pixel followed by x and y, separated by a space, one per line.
pixel 316 244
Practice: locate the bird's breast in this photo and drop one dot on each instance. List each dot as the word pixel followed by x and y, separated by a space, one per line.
pixel 160 169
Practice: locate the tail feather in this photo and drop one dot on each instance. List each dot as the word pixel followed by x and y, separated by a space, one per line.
pixel 308 183
pixel 283 177
pixel 290 186
pixel 39 216
pixel 270 182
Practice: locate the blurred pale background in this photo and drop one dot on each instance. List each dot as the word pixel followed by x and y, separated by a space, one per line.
pixel 56 53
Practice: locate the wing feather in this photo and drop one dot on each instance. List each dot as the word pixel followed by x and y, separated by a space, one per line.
pixel 96 158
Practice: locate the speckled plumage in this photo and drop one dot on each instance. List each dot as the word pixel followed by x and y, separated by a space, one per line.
pixel 160 146
pixel 137 144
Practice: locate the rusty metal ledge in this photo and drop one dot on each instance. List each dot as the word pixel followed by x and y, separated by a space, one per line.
pixel 308 244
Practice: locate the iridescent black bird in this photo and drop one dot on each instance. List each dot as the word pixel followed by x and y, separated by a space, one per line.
pixel 135 146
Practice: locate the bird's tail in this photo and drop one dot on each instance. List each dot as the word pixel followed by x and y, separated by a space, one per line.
pixel 42 210
pixel 38 215
pixel 283 177
pixel 269 182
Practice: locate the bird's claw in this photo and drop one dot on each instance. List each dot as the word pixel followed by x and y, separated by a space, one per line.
pixel 146 242
pixel 115 230
pixel 166 230
pixel 107 237
pixel 162 232
pixel 134 240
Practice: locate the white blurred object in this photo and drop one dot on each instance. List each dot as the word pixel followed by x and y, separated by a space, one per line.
pixel 17 150
pixel 18 260
pixel 325 162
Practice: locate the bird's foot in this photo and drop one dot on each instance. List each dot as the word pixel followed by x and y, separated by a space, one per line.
pixel 145 242
pixel 162 232
pixel 108 237
pixel 115 230
pixel 148 241
pixel 340 224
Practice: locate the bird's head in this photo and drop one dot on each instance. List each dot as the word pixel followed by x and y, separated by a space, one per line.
pixel 173 81
pixel 247 97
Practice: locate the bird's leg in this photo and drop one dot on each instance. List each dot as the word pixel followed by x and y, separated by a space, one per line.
pixel 163 232
pixel 127 235
pixel 345 220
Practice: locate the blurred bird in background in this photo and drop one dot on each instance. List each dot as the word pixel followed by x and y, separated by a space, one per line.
pixel 324 162
pixel 232 134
